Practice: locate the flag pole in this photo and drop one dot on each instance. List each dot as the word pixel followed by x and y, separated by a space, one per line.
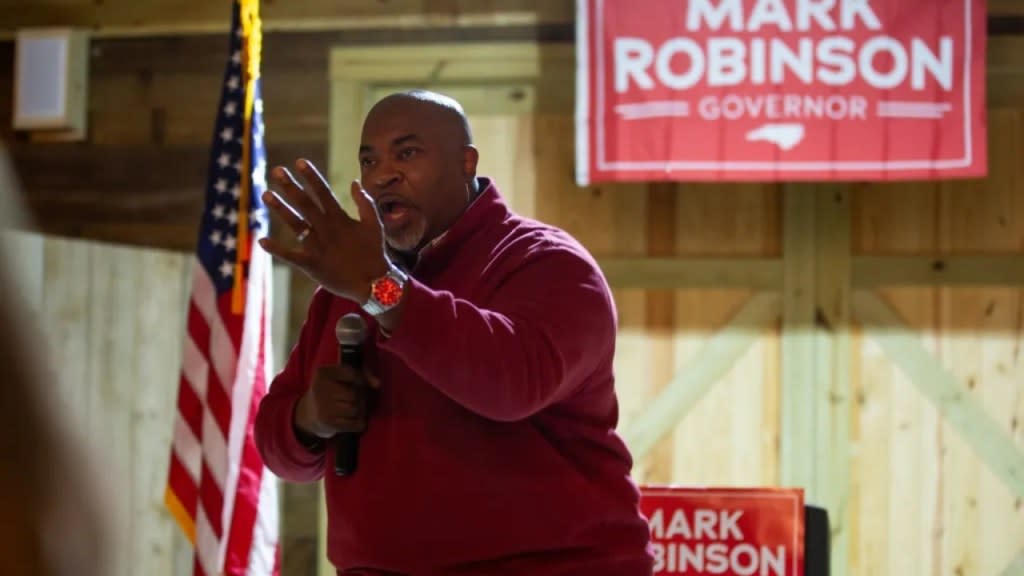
pixel 252 44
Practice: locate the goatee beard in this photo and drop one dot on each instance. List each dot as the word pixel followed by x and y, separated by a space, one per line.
pixel 407 240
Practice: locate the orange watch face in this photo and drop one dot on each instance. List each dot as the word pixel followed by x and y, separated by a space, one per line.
pixel 387 291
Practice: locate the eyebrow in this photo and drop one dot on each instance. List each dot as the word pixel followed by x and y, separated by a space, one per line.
pixel 396 142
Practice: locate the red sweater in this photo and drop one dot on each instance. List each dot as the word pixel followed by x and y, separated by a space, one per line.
pixel 491 448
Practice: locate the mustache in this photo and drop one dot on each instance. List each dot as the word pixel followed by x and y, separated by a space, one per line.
pixel 386 202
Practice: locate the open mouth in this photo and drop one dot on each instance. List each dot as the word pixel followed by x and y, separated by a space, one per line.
pixel 393 210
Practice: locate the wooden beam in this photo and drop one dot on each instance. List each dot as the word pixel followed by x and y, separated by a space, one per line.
pixel 118 18
pixel 448 61
pixel 954 402
pixel 130 18
pixel 870 272
pixel 713 362
pixel 796 440
pixel 348 107
pixel 1005 8
pixel 667 273
pixel 866 272
pixel 832 365
pixel 660 229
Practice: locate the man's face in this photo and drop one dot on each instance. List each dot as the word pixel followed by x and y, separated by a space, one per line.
pixel 414 170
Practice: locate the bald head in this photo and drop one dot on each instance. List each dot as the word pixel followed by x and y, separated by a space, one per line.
pixel 418 163
pixel 444 112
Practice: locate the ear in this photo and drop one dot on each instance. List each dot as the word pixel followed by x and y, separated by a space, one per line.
pixel 470 158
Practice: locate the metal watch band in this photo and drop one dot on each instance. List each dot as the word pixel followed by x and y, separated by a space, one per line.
pixel 374 307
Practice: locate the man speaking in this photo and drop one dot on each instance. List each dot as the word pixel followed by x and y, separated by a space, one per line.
pixel 485 408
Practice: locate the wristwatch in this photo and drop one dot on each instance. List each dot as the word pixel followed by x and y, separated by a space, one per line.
pixel 386 291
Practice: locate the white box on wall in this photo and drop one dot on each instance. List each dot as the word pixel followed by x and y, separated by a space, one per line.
pixel 51 82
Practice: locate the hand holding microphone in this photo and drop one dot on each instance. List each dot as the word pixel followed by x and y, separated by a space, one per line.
pixel 350 332
pixel 336 402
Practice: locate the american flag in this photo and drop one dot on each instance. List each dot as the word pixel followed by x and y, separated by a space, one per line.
pixel 218 489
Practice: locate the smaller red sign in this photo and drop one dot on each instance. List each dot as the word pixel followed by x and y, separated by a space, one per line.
pixel 725 531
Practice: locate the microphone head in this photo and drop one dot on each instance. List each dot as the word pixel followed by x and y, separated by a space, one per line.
pixel 350 329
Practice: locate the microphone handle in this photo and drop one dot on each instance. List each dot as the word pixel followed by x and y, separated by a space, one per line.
pixel 346 448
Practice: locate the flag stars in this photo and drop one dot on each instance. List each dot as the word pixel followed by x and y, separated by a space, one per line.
pixel 239 169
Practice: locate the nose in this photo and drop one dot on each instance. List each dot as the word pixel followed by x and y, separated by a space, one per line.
pixel 386 176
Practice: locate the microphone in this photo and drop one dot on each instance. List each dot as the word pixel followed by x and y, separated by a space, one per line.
pixel 350 331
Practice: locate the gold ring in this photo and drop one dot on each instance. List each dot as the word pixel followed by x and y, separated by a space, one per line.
pixel 304 234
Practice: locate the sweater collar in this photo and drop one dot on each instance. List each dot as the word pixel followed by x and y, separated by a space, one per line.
pixel 487 208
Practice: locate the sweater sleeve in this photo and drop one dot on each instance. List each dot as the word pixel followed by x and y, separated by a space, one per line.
pixel 273 431
pixel 551 322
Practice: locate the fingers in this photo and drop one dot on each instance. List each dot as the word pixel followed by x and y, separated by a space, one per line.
pixel 296 198
pixel 347 416
pixel 350 409
pixel 340 373
pixel 347 375
pixel 344 398
pixel 320 189
pixel 365 205
pixel 343 395
pixel 357 425
pixel 285 212
pixel 349 378
pixel 372 379
pixel 297 258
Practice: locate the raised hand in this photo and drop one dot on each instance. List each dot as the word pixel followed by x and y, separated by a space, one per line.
pixel 340 253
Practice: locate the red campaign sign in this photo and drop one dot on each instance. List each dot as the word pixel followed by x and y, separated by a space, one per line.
pixel 780 90
pixel 725 531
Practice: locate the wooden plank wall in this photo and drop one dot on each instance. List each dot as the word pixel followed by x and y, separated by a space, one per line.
pixel 916 485
pixel 663 330
pixel 113 319
pixel 921 501
pixel 138 179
